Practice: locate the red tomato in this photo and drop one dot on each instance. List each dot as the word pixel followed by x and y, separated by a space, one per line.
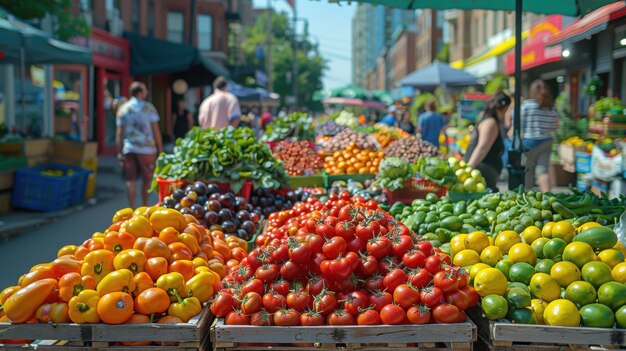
pixel 286 318
pixel 367 231
pixel 299 252
pixel 406 296
pixel 325 302
pixel 472 296
pixel 280 254
pixel 419 278
pixel 262 318
pixel 462 276
pixel 253 285
pixel 335 247
pixel 426 247
pixel 446 313
pixel 379 246
pixel 355 302
pixel 267 272
pixel 311 319
pixel 401 244
pixel 251 303
pixel 393 279
pixel 380 299
pixel 325 231
pixel 418 315
pixel 299 301
pixel 414 258
pixel 369 317
pixel 280 286
pixel 458 298
pixel 315 242
pixel 368 265
pixel 340 317
pixel 346 230
pixel 315 262
pixel 392 314
pixel 290 270
pixel 447 282
pixel 387 264
pixel 433 264
pixel 431 297
pixel 223 304
pixel 374 283
pixel 338 269
pixel 357 244
pixel 346 213
pixel 273 302
pixel 237 318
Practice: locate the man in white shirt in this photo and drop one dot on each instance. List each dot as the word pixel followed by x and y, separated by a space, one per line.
pixel 220 109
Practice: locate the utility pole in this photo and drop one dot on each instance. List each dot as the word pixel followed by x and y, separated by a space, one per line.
pixel 268 52
pixel 294 64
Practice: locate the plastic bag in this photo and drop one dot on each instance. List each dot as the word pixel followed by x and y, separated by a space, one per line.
pixel 604 167
pixel 620 229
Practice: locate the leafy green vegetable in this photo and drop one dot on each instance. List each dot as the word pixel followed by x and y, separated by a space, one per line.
pixel 392 173
pixel 296 126
pixel 436 170
pixel 230 155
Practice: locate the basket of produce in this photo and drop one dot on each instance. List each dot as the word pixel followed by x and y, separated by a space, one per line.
pixel 415 189
pixel 352 161
pixel 411 149
pixel 298 157
pixel 167 187
pixel 232 156
pixel 295 126
pixel 346 138
pixel 329 128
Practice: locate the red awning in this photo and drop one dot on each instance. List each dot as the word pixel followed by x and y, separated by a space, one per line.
pixel 589 25
pixel 535 52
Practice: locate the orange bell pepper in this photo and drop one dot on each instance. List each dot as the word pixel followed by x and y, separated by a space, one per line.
pixel 221 247
pixel 71 284
pixel 57 312
pixel 116 241
pixel 67 250
pixel 131 259
pixel 156 267
pixel 191 219
pixel 21 306
pixel 217 267
pixel 88 246
pixel 152 301
pixel 174 284
pixel 64 265
pixel 184 267
pixel 122 215
pixel 138 226
pixel 98 264
pixel 196 230
pixel 201 286
pixel 142 282
pixel 163 217
pixel 152 247
pixel 83 307
pixel 179 251
pixel 5 294
pixel 207 249
pixel 169 235
pixel 40 273
pixel 121 280
pixel 185 308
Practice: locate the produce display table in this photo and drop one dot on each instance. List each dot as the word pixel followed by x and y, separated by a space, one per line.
pixel 506 336
pixel 191 336
pixel 458 336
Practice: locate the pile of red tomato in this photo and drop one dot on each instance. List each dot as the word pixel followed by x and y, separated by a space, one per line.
pixel 342 262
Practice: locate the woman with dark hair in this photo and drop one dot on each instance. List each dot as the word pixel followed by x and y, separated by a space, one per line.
pixel 539 120
pixel 485 148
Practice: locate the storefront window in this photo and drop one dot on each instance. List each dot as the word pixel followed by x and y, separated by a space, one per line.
pixel 112 94
pixel 68 102
pixel 29 100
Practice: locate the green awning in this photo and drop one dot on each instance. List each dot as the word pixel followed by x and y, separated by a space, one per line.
pixel 548 7
pixel 149 56
pixel 38 46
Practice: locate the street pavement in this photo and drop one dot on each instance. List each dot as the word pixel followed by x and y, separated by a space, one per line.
pixel 39 244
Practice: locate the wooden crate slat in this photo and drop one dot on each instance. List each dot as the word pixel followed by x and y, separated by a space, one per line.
pixel 557 335
pixel 460 332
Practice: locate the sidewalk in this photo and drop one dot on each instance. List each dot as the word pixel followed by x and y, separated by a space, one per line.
pixel 109 185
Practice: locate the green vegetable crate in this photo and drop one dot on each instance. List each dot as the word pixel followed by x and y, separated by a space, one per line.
pixel 315 181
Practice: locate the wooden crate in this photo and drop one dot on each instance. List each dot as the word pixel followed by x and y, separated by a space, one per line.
pixel 506 336
pixel 37 148
pixel 431 337
pixel 191 336
pixel 74 150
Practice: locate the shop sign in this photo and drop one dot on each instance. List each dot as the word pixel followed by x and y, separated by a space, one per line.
pixel 535 52
pixel 102 48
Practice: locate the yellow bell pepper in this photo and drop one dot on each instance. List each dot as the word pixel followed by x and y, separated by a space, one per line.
pixel 131 259
pixel 98 264
pixel 163 217
pixel 201 286
pixel 199 262
pixel 120 280
pixel 185 308
pixel 122 215
pixel 83 307
pixel 174 284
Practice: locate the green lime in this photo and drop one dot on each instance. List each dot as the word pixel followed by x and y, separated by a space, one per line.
pixel 518 298
pixel 597 315
pixel 495 306
pixel 521 272
pixel 519 285
pixel 620 317
pixel 554 248
pixel 504 266
pixel 581 293
pixel 522 316
pixel 544 266
pixel 612 294
pixel 538 245
pixel 596 273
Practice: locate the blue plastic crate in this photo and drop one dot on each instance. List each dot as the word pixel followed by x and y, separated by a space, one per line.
pixel 37 191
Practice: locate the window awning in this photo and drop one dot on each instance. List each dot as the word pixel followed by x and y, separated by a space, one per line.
pixel 535 51
pixel 151 56
pixel 591 24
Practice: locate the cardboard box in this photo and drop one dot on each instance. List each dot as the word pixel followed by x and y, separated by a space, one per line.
pixel 5 201
pixel 62 125
pixel 70 150
pixel 559 176
pixel 37 148
pixel 38 160
pixel 567 155
pixel 11 149
pixel 6 180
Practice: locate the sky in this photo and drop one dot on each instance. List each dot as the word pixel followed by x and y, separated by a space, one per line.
pixel 331 25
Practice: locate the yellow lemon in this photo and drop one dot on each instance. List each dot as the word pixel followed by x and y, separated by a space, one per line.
pixel 490 281
pixel 563 230
pixel 466 258
pixel 477 268
pixel 611 257
pixel 531 234
pixel 506 239
pixel 538 306
pixel 565 273
pixel 619 272
pixel 457 244
pixel 544 287
pixel 587 225
pixel 578 253
pixel 491 255
pixel 561 312
pixel 546 232
pixel 522 253
pixel 476 241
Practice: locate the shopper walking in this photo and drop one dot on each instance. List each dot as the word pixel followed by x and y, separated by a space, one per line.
pixel 430 124
pixel 539 120
pixel 390 118
pixel 406 124
pixel 183 120
pixel 138 141
pixel 220 109
pixel 485 148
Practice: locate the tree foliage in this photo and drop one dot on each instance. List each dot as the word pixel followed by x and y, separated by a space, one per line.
pixel 67 26
pixel 311 65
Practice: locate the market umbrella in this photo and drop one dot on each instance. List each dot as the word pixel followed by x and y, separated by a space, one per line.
pixel 548 7
pixel 355 103
pixel 351 91
pixel 438 74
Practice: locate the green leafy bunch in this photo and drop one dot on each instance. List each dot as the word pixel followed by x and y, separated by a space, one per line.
pixel 436 170
pixel 295 126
